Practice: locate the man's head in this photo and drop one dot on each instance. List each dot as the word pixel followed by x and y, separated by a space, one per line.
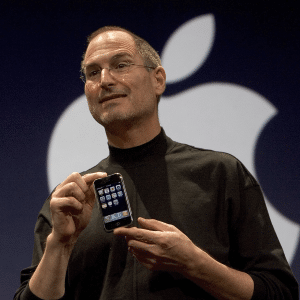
pixel 150 57
pixel 118 98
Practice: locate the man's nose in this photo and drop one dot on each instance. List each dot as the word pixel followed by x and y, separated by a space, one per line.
pixel 106 78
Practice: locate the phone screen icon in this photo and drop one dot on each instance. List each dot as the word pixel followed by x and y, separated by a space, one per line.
pixel 114 203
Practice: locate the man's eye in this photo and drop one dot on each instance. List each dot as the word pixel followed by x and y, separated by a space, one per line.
pixel 122 65
pixel 94 73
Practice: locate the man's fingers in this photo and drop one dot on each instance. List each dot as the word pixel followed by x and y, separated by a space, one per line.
pixel 71 189
pixel 124 231
pixel 77 185
pixel 91 177
pixel 138 234
pixel 152 224
pixel 74 191
pixel 77 178
pixel 138 247
pixel 150 232
pixel 66 205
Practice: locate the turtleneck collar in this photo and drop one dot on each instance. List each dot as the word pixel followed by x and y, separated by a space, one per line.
pixel 156 147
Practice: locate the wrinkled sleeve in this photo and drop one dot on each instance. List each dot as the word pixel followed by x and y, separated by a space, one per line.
pixel 256 249
pixel 41 231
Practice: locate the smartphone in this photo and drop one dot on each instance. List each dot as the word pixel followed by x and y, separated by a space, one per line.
pixel 113 201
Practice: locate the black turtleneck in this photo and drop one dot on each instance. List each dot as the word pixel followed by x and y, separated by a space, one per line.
pixel 209 196
pixel 157 147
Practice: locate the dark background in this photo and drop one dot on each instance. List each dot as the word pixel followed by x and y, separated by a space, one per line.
pixel 257 45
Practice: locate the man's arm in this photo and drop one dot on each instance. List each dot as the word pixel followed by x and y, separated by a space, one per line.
pixel 48 280
pixel 71 207
pixel 160 246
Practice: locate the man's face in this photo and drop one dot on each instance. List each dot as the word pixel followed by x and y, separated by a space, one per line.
pixel 123 99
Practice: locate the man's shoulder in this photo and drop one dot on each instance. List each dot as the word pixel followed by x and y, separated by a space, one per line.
pixel 209 161
pixel 186 151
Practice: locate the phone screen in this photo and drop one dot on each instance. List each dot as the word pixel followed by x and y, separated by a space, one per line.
pixel 113 201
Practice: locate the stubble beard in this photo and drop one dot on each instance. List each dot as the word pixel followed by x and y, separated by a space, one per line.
pixel 114 121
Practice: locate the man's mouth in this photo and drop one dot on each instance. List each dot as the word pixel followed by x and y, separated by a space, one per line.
pixel 110 97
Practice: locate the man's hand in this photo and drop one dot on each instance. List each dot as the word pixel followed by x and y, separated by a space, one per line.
pixel 159 246
pixel 71 206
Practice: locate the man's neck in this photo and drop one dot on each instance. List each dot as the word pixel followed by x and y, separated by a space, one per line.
pixel 133 136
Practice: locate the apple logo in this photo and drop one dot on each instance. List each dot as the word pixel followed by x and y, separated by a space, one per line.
pixel 219 116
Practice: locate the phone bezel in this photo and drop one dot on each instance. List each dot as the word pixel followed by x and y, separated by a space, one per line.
pixel 111 179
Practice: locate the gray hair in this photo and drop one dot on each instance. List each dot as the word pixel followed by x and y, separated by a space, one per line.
pixel 150 57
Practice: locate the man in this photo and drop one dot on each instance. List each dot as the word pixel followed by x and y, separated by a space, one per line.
pixel 201 229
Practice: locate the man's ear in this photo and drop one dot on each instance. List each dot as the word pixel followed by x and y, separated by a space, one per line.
pixel 159 80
